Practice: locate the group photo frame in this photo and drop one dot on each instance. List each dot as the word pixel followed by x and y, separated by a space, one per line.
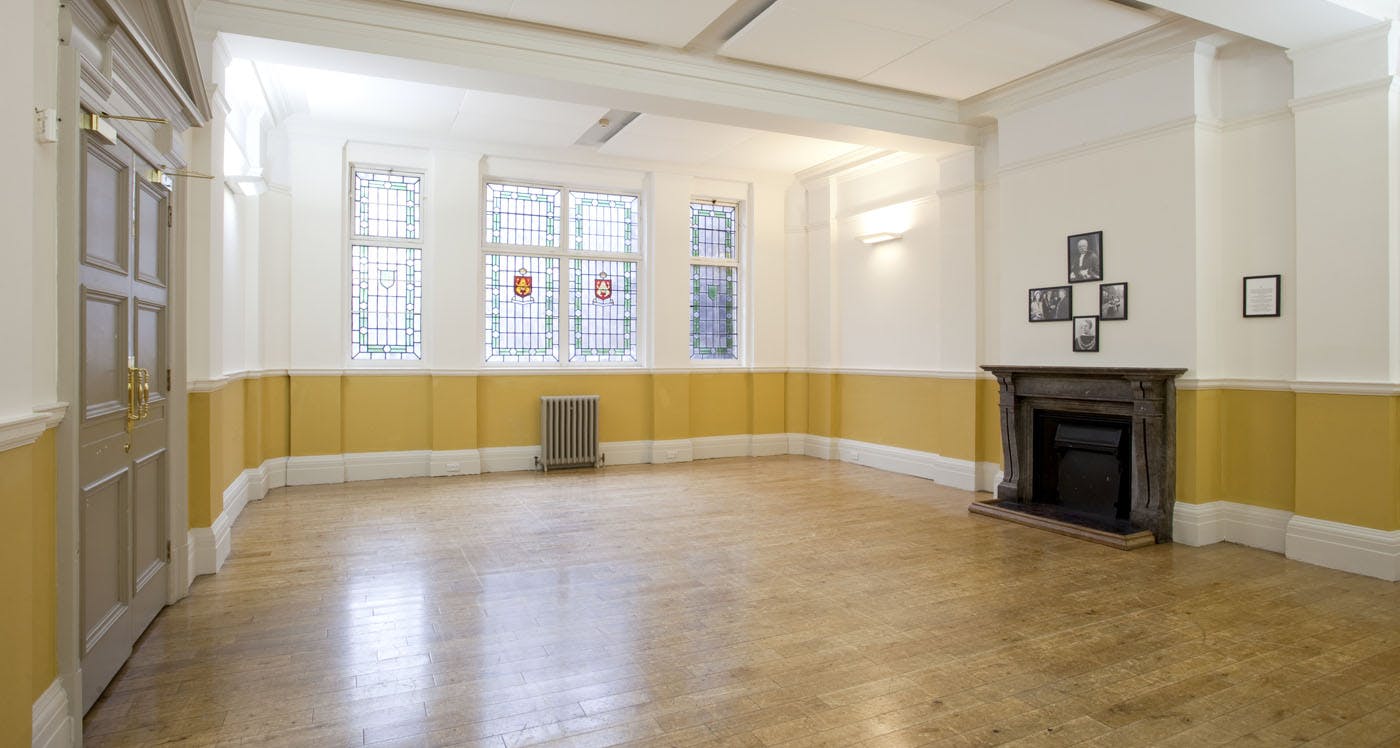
pixel 1113 301
pixel 1050 304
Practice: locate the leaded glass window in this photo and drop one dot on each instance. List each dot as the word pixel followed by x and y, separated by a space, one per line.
pixel 714 312
pixel 713 228
pixel 386 288
pixel 522 215
pixel 386 265
pixel 601 222
pixel 714 280
pixel 386 204
pixel 602 310
pixel 522 308
pixel 565 288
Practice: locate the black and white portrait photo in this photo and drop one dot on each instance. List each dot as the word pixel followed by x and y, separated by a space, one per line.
pixel 1086 334
pixel 1051 304
pixel 1113 301
pixel 1086 257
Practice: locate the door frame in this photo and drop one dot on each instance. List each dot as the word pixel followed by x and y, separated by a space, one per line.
pixel 86 61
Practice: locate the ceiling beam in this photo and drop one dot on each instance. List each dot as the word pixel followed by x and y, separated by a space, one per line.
pixel 487 54
pixel 1291 24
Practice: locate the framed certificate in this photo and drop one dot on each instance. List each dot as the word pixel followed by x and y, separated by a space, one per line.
pixel 1261 294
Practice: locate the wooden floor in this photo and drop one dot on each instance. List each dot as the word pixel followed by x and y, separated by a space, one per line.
pixel 770 601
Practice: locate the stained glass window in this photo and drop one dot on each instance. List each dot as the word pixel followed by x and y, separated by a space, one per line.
pixel 713 227
pixel 386 204
pixel 601 222
pixel 386 291
pixel 714 311
pixel 386 265
pixel 522 215
pixel 602 310
pixel 522 309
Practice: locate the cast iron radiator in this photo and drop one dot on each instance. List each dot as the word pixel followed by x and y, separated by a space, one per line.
pixel 569 431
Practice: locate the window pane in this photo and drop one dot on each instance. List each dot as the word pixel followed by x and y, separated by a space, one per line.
pixel 712 230
pixel 386 291
pixel 522 308
pixel 603 222
pixel 527 216
pixel 713 312
pixel 603 310
pixel 386 205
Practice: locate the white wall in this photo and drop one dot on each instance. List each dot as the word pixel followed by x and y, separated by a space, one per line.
pixel 21 154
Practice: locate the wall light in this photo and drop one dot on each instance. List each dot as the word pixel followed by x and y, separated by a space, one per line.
pixel 879 237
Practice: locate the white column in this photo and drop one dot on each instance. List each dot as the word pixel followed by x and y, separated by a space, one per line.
pixel 204 261
pixel 1347 277
pixel 18 252
pixel 669 299
pixel 959 253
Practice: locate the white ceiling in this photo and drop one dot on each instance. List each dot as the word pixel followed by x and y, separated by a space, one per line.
pixel 671 23
pixel 347 102
pixel 948 48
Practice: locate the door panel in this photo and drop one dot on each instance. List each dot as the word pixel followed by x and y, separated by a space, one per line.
pixel 104 567
pixel 151 261
pixel 104 242
pixel 122 439
pixel 103 353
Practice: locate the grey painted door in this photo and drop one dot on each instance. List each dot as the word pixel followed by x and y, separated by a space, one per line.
pixel 122 460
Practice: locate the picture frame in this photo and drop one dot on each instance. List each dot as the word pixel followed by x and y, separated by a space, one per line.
pixel 1085 255
pixel 1084 334
pixel 1113 301
pixel 1050 304
pixel 1261 294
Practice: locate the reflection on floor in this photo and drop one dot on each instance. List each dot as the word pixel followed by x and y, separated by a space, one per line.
pixel 742 602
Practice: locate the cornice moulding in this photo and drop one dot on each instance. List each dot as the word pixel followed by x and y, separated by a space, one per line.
pixel 17 432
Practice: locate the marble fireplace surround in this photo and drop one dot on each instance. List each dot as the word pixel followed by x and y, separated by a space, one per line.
pixel 1146 395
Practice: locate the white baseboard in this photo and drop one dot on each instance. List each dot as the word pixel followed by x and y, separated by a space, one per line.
pixel 626 453
pixel 317 470
pixel 454 462
pixel 508 459
pixel 210 546
pixel 719 447
pixel 989 476
pixel 1216 521
pixel 768 445
pixel 1360 550
pixel 387 465
pixel 963 474
pixel 671 450
pixel 52 725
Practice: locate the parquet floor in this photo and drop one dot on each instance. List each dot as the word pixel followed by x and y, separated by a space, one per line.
pixel 751 602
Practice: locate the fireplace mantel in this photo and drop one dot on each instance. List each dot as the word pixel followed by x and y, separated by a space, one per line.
pixel 1147 395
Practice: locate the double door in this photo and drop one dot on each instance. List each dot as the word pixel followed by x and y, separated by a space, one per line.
pixel 123 463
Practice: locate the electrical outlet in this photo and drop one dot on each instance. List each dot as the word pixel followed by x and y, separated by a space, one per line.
pixel 670 454
pixel 454 468
pixel 46 125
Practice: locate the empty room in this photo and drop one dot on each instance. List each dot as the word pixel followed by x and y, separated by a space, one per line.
pixel 720 372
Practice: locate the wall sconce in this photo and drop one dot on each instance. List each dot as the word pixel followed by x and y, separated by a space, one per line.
pixel 248 186
pixel 879 238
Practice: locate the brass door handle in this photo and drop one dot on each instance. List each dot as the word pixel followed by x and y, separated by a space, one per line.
pixel 138 397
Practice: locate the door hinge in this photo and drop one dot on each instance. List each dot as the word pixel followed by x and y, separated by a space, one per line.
pixel 167 380
pixel 170 216
pixel 167 551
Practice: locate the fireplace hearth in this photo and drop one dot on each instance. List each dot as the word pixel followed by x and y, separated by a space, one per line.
pixel 1088 452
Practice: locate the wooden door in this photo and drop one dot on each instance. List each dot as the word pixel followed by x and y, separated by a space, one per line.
pixel 122 460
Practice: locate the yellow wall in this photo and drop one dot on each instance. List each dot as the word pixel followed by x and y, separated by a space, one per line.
pixel 29 587
pixel 1333 457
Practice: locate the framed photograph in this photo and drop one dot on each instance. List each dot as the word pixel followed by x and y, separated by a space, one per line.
pixel 1261 294
pixel 1113 301
pixel 1086 257
pixel 1086 334
pixel 1052 304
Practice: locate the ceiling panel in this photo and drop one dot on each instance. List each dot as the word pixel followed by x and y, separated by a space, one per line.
pixel 665 22
pixel 948 48
pixel 818 39
pixel 656 138
pixel 502 118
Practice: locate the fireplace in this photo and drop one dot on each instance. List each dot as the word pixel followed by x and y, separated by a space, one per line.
pixel 1088 452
